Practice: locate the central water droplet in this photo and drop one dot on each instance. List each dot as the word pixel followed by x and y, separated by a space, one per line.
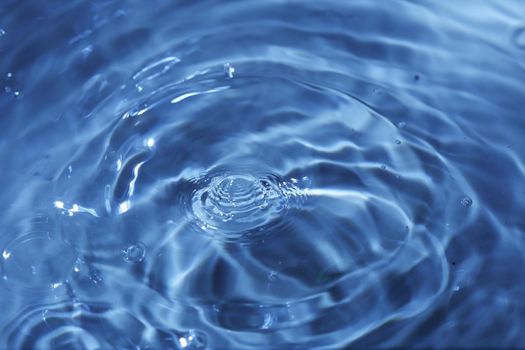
pixel 238 202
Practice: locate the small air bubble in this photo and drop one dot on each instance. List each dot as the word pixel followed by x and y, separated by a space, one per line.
pixel 2 32
pixel 383 167
pixel 401 125
pixel 9 75
pixel 398 142
pixel 95 278
pixel 135 253
pixel 466 201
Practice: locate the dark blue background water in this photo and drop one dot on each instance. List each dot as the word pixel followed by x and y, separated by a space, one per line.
pixel 262 174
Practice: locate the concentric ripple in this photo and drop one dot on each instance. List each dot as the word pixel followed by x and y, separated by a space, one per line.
pixel 39 259
pixel 29 260
pixel 265 174
pixel 239 202
pixel 320 191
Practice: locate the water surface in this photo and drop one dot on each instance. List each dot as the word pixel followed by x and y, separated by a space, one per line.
pixel 262 174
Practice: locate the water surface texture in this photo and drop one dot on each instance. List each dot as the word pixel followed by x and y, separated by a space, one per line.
pixel 262 174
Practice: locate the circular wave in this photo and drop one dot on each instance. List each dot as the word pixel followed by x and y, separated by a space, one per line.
pixel 71 324
pixel 39 259
pixel 234 205
pixel 250 183
pixel 338 206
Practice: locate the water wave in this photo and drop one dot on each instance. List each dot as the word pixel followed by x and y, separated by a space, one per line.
pixel 233 177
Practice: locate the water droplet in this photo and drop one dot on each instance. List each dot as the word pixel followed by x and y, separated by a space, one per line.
pixel 192 340
pixel 135 253
pixel 272 275
pixel 239 203
pixel 95 277
pixel 519 38
pixel 466 201
pixel 183 342
pixel 229 70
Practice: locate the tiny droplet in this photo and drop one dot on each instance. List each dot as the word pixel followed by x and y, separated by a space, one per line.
pixel 466 201
pixel 229 70
pixel 272 275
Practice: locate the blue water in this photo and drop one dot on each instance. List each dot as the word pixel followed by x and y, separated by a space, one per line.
pixel 262 174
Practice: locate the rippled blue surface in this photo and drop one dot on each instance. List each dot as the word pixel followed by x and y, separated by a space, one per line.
pixel 262 174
